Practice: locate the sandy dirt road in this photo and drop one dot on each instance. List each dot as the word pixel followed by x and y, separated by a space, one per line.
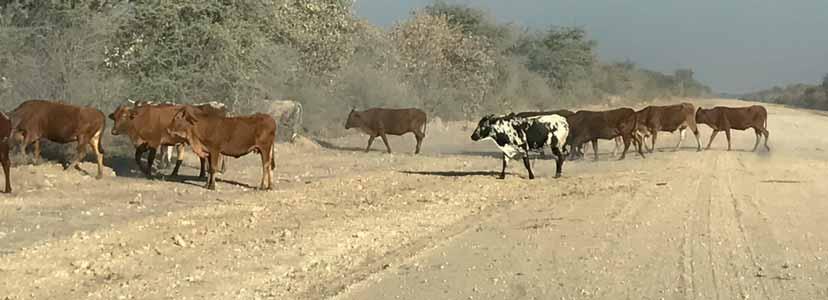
pixel 344 224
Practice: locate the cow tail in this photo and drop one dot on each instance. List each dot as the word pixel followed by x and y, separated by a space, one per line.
pixel 273 158
pixel 100 141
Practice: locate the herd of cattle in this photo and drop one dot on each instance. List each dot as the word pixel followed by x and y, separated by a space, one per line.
pixel 212 134
pixel 565 132
pixel 150 126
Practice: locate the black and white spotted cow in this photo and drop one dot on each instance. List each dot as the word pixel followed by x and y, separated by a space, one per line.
pixel 516 136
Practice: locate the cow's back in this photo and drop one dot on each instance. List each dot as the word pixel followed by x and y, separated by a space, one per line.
pixel 745 117
pixel 667 118
pixel 394 121
pixel 56 121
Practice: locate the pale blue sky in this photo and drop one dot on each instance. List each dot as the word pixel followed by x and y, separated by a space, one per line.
pixel 733 45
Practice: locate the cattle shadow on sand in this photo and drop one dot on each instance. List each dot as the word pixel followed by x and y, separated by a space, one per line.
pixel 331 146
pixel 454 173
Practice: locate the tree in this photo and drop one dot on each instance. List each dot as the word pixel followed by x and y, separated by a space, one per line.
pixel 437 56
pixel 561 54
pixel 191 49
pixel 825 82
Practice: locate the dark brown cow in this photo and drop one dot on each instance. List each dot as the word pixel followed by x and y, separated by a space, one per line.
pixel 589 126
pixel 528 114
pixel 381 121
pixel 724 119
pixel 61 123
pixel 212 136
pixel 670 118
pixel 146 125
pixel 5 136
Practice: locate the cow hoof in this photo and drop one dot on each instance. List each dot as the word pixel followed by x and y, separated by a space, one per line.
pixel 558 175
pixel 99 177
pixel 501 177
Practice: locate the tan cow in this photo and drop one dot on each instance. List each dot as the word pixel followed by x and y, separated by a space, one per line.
pixel 213 136
pixel 722 118
pixel 61 123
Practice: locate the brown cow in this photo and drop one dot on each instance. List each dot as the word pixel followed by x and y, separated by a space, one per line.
pixel 61 123
pixel 5 135
pixel 589 126
pixel 381 121
pixel 212 136
pixel 724 119
pixel 670 118
pixel 146 125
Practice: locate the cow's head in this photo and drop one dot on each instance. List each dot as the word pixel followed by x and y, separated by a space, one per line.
pixel 354 119
pixel 702 116
pixel 123 116
pixel 484 128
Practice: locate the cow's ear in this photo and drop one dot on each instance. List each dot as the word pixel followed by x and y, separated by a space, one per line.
pixel 112 116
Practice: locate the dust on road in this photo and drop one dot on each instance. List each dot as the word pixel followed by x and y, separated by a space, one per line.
pixel 353 225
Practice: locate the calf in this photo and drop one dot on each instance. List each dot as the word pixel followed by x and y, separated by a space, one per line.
pixel 722 118
pixel 213 136
pixel 381 121
pixel 589 126
pixel 670 118
pixel 5 135
pixel 61 123
pixel 516 136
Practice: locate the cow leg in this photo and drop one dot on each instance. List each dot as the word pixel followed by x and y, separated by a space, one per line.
pixel 682 135
pixel 767 134
pixel 712 137
pixel 4 159
pixel 654 134
pixel 370 141
pixel 503 170
pixel 267 173
pixel 211 180
pixel 223 163
pixel 617 145
pixel 695 130
pixel 727 134
pixel 639 142
pixel 94 142
pixel 419 136
pixel 80 153
pixel 758 136
pixel 595 148
pixel 385 140
pixel 36 151
pixel 150 161
pixel 180 159
pixel 559 160
pixel 139 151
pixel 528 166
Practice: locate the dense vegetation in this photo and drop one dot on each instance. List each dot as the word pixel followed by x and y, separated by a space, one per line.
pixel 454 61
pixel 798 95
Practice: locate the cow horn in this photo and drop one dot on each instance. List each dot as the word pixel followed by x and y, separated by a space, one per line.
pixel 131 101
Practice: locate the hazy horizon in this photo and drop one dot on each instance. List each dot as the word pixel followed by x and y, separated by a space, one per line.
pixel 735 46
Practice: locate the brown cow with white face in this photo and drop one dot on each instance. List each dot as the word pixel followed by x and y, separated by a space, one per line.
pixel 722 118
pixel 212 136
pixel 61 123
pixel 378 122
